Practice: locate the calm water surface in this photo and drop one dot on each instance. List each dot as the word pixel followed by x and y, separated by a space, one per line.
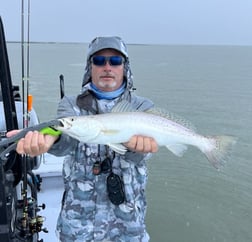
pixel 211 86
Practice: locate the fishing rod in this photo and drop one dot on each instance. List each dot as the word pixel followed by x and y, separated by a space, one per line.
pixel 62 89
pixel 29 105
pixel 24 223
pixel 27 97
pixel 19 220
pixel 31 224
pixel 22 60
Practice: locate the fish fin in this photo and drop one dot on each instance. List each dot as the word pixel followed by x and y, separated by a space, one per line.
pixel 177 149
pixel 173 117
pixel 123 106
pixel 218 155
pixel 119 148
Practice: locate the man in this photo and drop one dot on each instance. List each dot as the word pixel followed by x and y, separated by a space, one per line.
pixel 104 198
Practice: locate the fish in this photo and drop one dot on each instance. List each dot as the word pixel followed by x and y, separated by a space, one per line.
pixel 123 122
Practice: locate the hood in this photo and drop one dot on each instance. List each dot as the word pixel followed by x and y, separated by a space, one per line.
pixel 113 42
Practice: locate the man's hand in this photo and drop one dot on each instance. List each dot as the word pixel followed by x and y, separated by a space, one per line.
pixel 142 144
pixel 34 143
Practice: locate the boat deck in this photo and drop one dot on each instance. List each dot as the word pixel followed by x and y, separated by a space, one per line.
pixel 50 194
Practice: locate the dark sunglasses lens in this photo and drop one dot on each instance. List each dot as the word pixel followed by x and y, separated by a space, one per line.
pixel 99 60
pixel 115 60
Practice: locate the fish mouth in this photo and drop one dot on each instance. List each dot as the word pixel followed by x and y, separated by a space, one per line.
pixel 61 123
pixel 58 124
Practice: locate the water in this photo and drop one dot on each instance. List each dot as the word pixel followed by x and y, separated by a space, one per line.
pixel 188 200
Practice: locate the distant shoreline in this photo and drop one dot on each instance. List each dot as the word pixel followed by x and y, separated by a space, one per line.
pixel 55 42
pixel 46 42
pixel 136 44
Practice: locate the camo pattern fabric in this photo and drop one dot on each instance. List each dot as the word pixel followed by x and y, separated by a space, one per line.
pixel 88 214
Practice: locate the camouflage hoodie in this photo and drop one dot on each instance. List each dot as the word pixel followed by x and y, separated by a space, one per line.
pixel 87 213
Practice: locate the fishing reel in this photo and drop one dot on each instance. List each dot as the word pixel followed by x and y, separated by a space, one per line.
pixel 28 224
pixel 19 220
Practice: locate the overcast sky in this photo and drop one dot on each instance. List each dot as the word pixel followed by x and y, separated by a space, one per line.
pixel 136 21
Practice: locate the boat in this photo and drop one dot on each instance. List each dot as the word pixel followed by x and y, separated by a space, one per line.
pixel 30 188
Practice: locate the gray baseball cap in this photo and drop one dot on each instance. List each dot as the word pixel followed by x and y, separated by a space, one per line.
pixel 101 43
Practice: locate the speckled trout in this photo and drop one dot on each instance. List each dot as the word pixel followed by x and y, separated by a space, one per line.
pixel 120 125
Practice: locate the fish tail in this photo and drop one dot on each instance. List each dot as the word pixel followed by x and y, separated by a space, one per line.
pixel 220 152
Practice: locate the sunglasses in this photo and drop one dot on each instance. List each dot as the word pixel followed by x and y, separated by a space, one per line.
pixel 100 60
